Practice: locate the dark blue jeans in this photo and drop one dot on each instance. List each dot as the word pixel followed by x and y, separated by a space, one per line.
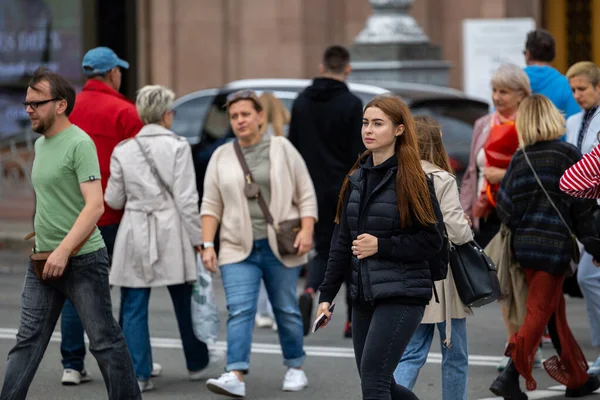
pixel 85 284
pixel 72 346
pixel 134 302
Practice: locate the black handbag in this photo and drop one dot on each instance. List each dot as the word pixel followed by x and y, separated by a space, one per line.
pixel 475 274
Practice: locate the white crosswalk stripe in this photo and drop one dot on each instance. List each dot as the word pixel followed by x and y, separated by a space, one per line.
pixel 551 392
pixel 264 348
pixel 322 351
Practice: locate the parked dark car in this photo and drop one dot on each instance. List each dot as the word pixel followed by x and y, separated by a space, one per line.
pixel 202 119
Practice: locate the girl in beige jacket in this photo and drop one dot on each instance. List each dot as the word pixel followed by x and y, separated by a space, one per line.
pixel 248 242
pixel 453 336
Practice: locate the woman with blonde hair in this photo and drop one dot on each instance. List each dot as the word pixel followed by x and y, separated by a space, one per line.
pixel 277 119
pixel 277 116
pixel 544 223
pixel 449 315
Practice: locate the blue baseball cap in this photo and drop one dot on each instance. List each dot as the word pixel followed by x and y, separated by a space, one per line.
pixel 101 60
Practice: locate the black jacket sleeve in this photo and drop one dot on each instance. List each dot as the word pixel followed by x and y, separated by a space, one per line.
pixel 340 258
pixel 293 128
pixel 419 245
pixel 586 216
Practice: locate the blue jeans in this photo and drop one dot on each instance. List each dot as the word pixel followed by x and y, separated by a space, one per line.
pixel 588 277
pixel 72 345
pixel 455 360
pixel 85 284
pixel 134 303
pixel 242 284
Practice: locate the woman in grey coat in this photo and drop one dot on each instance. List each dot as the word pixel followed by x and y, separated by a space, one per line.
pixel 152 178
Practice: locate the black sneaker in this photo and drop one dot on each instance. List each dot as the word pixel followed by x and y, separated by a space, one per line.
pixel 592 384
pixel 305 302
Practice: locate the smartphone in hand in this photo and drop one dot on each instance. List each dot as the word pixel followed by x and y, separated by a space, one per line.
pixel 321 319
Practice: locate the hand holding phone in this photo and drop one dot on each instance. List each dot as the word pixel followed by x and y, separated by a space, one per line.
pixel 325 310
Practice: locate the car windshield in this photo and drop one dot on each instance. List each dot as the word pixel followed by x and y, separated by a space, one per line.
pixel 189 118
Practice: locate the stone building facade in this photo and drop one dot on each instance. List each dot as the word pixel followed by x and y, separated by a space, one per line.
pixel 193 44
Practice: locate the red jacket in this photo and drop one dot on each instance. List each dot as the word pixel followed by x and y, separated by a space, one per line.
pixel 108 118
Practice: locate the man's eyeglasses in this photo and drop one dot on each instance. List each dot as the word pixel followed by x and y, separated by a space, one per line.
pixel 35 104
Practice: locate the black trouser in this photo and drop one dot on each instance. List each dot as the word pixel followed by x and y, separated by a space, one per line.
pixel 380 334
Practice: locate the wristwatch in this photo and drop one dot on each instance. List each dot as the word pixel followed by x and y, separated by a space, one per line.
pixel 207 245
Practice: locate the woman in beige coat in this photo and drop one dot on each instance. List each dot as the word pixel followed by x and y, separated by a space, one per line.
pixel 453 336
pixel 152 178
pixel 248 241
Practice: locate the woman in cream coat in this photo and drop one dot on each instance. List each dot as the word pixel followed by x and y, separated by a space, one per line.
pixel 453 336
pixel 248 244
pixel 159 230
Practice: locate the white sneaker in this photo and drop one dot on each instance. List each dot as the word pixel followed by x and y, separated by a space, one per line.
pixel 263 321
pixel 146 386
pixel 197 375
pixel 595 368
pixel 228 384
pixel 295 380
pixel 74 377
pixel 214 356
pixel 156 370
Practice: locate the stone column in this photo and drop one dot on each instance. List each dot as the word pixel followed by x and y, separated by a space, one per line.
pixel 393 48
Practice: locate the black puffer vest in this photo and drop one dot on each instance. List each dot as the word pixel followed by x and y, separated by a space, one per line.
pixel 381 276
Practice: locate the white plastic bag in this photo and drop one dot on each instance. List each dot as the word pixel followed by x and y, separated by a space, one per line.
pixel 205 315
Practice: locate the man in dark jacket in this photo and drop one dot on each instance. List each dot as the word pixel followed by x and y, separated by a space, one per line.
pixel 326 129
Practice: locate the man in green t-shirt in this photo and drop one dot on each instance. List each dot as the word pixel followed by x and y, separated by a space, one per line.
pixel 69 202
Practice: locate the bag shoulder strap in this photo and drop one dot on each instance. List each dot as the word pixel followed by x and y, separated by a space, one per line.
pixel 537 178
pixel 248 176
pixel 153 167
pixel 431 177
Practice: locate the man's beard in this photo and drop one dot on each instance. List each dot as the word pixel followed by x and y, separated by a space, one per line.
pixel 44 125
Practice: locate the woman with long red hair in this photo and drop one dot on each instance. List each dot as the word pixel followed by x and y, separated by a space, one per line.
pixel 389 226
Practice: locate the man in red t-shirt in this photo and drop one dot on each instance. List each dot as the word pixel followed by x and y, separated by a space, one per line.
pixel 108 117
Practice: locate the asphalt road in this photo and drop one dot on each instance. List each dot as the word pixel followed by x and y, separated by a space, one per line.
pixel 330 365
